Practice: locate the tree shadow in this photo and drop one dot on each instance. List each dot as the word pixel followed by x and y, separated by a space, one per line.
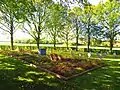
pixel 15 75
pixel 105 78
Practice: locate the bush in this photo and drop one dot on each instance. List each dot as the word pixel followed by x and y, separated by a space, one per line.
pixel 7 47
pixel 4 47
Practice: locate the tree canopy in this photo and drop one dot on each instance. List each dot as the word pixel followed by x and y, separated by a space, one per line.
pixel 59 18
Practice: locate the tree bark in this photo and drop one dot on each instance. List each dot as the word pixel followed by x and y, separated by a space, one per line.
pixel 12 46
pixel 54 42
pixel 11 32
pixel 39 32
pixel 54 38
pixel 111 45
pixel 38 43
pixel 77 36
pixel 38 40
pixel 88 29
pixel 67 40
pixel 88 39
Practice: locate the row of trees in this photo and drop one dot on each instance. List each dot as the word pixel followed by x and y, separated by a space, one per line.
pixel 59 19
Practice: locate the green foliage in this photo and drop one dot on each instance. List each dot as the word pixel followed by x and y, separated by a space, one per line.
pixel 55 21
pixel 35 18
pixel 108 16
pixel 25 41
pixel 5 47
pixel 66 34
pixel 8 16
pixel 95 42
pixel 59 23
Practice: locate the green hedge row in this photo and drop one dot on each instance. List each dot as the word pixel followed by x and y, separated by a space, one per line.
pixel 102 50
pixel 7 47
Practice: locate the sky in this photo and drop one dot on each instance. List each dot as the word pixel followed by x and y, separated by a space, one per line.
pixel 95 2
pixel 20 35
pixel 17 35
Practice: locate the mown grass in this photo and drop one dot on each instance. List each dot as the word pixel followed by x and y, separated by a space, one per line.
pixel 15 75
pixel 106 78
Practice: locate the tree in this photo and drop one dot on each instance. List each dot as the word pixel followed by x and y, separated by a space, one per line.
pixel 109 18
pixel 55 21
pixel 67 33
pixel 35 18
pixel 75 16
pixel 90 25
pixel 9 16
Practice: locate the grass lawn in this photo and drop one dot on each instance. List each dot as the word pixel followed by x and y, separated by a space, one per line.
pixel 15 75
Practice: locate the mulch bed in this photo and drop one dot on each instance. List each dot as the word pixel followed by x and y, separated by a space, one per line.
pixel 61 67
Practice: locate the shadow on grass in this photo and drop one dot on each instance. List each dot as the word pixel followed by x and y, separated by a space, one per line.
pixel 105 78
pixel 15 75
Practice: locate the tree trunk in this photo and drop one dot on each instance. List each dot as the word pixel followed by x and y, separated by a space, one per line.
pixel 38 43
pixel 77 36
pixel 38 40
pixel 88 43
pixel 67 41
pixel 54 42
pixel 11 32
pixel 39 32
pixel 77 39
pixel 54 38
pixel 12 47
pixel 88 39
pixel 111 45
pixel 67 45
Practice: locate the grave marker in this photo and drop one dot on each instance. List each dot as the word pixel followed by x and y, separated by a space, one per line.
pixel 114 54
pixel 80 54
pixel 89 54
pixel 100 56
pixel 105 54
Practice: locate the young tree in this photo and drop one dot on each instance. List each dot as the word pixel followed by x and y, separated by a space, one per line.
pixel 109 18
pixel 75 16
pixel 9 16
pixel 35 18
pixel 55 21
pixel 67 33
pixel 90 25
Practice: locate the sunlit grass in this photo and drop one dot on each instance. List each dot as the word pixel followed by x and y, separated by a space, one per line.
pixel 24 79
pixel 111 59
pixel 33 72
pixel 115 67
